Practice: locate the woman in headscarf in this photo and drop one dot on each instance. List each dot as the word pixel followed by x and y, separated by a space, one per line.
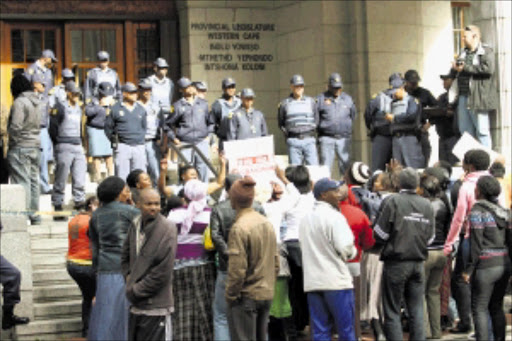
pixel 194 273
pixel 108 228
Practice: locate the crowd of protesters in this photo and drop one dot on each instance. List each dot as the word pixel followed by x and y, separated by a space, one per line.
pixel 200 260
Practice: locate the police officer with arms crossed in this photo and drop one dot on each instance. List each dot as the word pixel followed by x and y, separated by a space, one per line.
pixel 298 119
pixel 379 127
pixel 247 122
pixel 100 147
pixel 101 73
pixel 405 114
pixel 336 112
pixel 66 133
pixel 43 67
pixel 163 87
pixel 126 129
pixel 155 119
pixel 426 99
pixel 224 107
pixel 192 124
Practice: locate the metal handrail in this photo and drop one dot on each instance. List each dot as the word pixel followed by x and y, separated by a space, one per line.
pixel 182 157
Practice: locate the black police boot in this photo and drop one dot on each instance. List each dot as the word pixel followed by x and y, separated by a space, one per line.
pixel 10 320
pixel 79 205
pixel 57 217
pixel 377 330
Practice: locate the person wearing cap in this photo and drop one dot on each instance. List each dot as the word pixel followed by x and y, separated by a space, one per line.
pixel 24 129
pixel 405 227
pixel 191 123
pixel 155 120
pixel 426 100
pixel 327 245
pixel 252 268
pixel 246 122
pixel 101 73
pixel 298 119
pixel 66 134
pixel 99 145
pixel 379 128
pixel 43 68
pixel 162 90
pixel 475 67
pixel 404 114
pixel 201 89
pixel 224 107
pixel 126 127
pixel 337 112
pixel 446 121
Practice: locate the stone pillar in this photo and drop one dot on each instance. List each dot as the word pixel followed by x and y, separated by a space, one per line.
pixel 15 241
pixel 494 20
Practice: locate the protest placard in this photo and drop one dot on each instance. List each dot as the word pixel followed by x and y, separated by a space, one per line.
pixel 468 142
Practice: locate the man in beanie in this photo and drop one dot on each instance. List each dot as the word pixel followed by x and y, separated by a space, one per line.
pixel 253 266
pixel 221 220
pixel 327 244
pixel 405 228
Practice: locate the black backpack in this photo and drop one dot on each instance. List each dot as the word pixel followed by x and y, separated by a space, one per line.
pixel 369 201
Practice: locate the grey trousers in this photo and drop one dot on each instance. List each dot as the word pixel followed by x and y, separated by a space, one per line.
pixel 434 267
pixel 407 150
pixel 24 170
pixel 69 157
pixel 248 319
pixel 128 158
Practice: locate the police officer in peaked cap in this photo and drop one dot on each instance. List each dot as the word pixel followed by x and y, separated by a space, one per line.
pixel 246 121
pixel 101 73
pixel 224 107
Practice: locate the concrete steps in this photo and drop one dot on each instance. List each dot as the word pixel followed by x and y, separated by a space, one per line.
pixel 64 309
pixel 55 329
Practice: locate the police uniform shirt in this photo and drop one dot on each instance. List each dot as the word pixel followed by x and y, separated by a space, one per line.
pixel 246 125
pixel 129 124
pixel 96 114
pixel 154 120
pixel 162 92
pixel 66 123
pixel 221 110
pixel 57 94
pixel 335 114
pixel 37 68
pixel 298 116
pixel 406 115
pixel 189 122
pixel 97 76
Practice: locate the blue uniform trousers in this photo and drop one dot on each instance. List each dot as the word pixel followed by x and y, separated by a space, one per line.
pixel 336 306
pixel 382 148
pixel 10 277
pixel 69 157
pixel 329 146
pixel 407 150
pixel 128 158
pixel 153 156
pixel 302 151
pixel 475 123
pixel 46 156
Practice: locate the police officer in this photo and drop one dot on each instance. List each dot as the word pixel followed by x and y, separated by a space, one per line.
pixel 101 73
pixel 58 92
pixel 405 118
pixel 247 122
pixel 163 87
pixel 66 133
pixel 153 131
pixel 201 89
pixel 190 123
pixel 380 128
pixel 43 67
pixel 336 112
pixel 298 119
pixel 445 121
pixel 223 107
pixel 426 99
pixel 99 145
pixel 126 129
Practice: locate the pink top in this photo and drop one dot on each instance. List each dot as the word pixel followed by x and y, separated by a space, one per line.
pixel 465 202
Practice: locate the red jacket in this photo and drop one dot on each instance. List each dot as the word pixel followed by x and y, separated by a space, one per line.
pixel 360 226
pixel 351 199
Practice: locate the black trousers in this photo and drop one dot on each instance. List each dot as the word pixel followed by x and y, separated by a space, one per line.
pixel 426 147
pixel 149 328
pixel 248 319
pixel 298 298
pixel 4 168
pixel 461 290
pixel 10 277
pixel 85 277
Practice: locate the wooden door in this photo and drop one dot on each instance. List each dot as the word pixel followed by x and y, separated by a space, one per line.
pixel 84 40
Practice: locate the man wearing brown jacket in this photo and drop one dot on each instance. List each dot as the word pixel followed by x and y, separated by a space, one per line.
pixel 147 263
pixel 252 268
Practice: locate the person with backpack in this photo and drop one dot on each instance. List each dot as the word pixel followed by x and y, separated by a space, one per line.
pixel 356 176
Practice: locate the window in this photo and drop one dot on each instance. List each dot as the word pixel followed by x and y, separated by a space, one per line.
pixel 27 44
pixel 461 18
pixel 87 43
pixel 147 47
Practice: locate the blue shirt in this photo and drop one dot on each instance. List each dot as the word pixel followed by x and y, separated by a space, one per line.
pixel 130 125
pixel 189 122
pixel 336 114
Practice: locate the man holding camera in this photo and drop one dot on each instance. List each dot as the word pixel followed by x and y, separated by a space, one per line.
pixel 475 68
